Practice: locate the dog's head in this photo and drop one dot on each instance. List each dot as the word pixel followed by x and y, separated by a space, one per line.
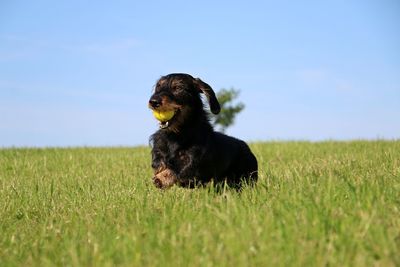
pixel 180 93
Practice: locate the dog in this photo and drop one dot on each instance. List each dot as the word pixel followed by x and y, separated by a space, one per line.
pixel 186 150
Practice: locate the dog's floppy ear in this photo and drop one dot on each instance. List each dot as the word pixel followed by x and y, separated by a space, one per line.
pixel 208 91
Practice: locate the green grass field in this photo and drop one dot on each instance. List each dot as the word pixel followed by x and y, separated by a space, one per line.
pixel 316 204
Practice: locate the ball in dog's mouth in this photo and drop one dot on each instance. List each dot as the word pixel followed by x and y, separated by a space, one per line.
pixel 163 116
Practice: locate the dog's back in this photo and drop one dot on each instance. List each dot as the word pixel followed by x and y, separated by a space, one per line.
pixel 230 159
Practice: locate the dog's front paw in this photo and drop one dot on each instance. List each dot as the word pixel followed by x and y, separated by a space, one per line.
pixel 165 179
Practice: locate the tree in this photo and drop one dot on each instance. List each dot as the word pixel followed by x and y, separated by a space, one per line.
pixel 229 110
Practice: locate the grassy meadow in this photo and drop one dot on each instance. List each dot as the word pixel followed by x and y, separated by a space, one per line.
pixel 316 204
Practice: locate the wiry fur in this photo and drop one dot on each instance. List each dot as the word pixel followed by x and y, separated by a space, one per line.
pixel 189 152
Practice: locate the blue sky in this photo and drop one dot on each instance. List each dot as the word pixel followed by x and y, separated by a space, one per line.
pixel 76 73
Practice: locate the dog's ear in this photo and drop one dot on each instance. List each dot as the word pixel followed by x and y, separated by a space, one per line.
pixel 208 91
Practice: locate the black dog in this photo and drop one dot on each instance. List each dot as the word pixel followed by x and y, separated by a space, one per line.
pixel 186 150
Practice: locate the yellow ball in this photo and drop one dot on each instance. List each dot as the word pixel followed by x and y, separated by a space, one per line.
pixel 163 115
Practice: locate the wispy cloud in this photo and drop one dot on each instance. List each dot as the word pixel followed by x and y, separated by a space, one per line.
pixel 312 76
pixel 49 93
pixel 16 47
pixel 110 46
pixel 317 79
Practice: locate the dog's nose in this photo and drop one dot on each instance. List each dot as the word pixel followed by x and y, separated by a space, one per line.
pixel 155 102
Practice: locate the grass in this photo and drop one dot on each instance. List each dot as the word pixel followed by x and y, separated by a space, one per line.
pixel 316 204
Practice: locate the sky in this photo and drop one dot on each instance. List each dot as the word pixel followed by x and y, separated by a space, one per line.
pixel 80 73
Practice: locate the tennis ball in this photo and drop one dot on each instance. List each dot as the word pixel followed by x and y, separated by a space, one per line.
pixel 163 116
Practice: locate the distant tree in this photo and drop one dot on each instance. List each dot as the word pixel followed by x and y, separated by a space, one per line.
pixel 229 110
